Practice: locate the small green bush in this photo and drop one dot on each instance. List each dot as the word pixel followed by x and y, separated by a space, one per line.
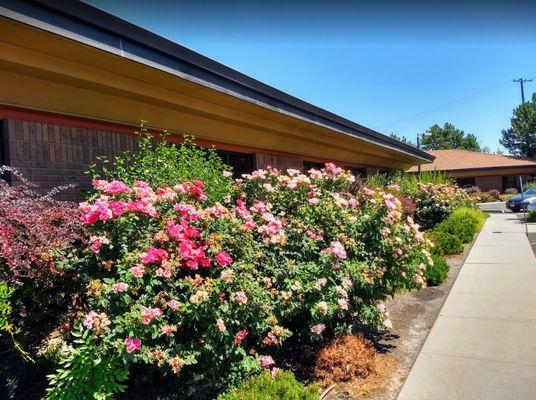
pixel 531 217
pixel 446 243
pixel 437 273
pixel 160 162
pixel 464 222
pixel 264 387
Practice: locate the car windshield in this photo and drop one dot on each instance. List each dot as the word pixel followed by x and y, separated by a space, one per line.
pixel 530 191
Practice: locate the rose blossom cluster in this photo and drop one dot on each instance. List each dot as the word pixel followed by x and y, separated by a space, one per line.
pixel 96 321
pixel 286 247
pixel 148 314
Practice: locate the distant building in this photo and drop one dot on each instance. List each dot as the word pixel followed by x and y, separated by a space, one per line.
pixel 76 81
pixel 487 171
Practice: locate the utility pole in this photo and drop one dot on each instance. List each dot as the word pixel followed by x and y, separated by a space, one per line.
pixel 419 147
pixel 521 82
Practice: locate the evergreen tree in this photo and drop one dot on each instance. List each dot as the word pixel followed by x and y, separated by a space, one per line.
pixel 520 138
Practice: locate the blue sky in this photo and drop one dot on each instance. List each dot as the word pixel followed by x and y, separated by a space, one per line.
pixel 392 66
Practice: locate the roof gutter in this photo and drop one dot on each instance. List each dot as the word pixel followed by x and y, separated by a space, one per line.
pixel 89 25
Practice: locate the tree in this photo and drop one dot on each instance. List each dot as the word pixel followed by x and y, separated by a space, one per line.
pixel 487 150
pixel 449 137
pixel 520 138
pixel 403 139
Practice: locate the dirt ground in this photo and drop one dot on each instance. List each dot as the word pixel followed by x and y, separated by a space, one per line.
pixel 413 315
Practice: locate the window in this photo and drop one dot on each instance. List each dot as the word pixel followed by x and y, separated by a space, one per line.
pixel 510 181
pixel 362 172
pixel 466 182
pixel 307 165
pixel 242 163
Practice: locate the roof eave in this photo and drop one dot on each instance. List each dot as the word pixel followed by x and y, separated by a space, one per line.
pixel 93 26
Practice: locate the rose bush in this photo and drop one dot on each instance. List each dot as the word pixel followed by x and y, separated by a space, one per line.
pixel 208 292
pixel 435 202
pixel 430 196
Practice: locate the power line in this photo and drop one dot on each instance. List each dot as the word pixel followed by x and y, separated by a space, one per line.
pixel 521 82
pixel 459 99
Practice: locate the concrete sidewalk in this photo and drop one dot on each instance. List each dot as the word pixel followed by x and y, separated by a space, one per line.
pixel 483 344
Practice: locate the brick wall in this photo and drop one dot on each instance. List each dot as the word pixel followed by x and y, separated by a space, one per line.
pixel 276 161
pixel 486 183
pixel 51 155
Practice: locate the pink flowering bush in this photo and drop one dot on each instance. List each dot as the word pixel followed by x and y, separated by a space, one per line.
pixel 337 254
pixel 429 197
pixel 436 201
pixel 208 292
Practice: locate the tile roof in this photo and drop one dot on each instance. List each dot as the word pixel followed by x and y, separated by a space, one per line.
pixel 455 160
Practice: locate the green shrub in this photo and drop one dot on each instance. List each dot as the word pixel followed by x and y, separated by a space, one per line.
pixel 283 387
pixel 6 325
pixel 531 217
pixel 409 182
pixel 161 162
pixel 464 222
pixel 437 273
pixel 446 243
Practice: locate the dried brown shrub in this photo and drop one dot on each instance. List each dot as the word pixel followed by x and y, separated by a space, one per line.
pixel 345 358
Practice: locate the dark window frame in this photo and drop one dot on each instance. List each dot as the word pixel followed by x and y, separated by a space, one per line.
pixel 307 165
pixel 228 157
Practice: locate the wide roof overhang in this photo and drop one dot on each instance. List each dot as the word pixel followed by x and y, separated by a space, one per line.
pixel 71 58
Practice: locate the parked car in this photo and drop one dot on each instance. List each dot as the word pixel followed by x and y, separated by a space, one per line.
pixel 532 204
pixel 521 201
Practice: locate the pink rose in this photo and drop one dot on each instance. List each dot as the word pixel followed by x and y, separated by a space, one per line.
pixel 119 287
pixel 132 344
pixel 223 258
pixel 173 304
pixel 138 271
pixel 267 362
pixel 97 242
pixel 241 335
pixel 153 255
pixel 318 329
pixel 147 314
pixel 241 298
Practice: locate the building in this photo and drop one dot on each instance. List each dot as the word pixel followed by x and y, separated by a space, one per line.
pixel 487 171
pixel 76 81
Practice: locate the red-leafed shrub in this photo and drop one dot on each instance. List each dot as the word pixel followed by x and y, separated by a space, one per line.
pixel 37 235
pixel 33 227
